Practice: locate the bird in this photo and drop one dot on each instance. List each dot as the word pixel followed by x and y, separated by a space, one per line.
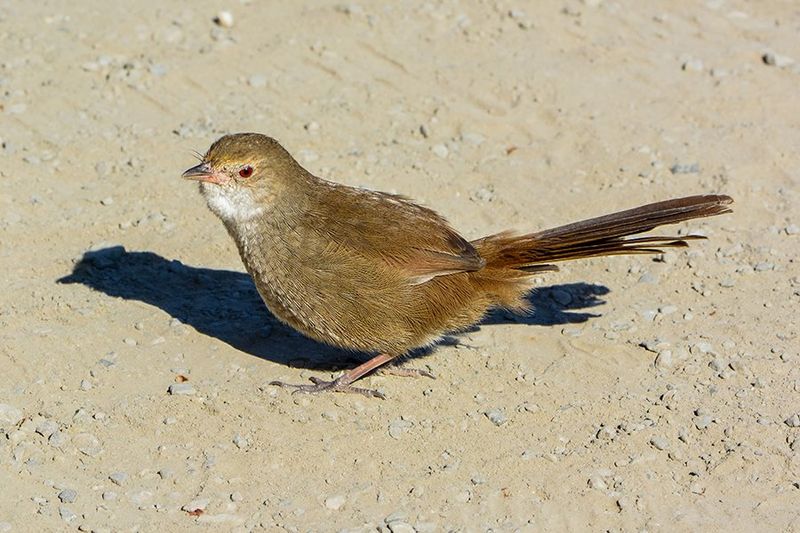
pixel 376 273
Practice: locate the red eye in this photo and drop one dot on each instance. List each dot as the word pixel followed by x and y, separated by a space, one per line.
pixel 246 171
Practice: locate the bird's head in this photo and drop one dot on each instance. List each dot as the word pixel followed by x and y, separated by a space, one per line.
pixel 241 173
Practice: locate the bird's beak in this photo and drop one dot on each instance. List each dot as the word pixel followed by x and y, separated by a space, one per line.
pixel 204 172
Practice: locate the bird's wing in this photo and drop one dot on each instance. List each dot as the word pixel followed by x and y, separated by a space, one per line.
pixel 438 253
pixel 403 235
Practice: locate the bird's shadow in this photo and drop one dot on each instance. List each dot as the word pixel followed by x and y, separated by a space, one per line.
pixel 225 304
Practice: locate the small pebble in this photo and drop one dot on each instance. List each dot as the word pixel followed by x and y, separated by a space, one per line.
pixel 9 415
pixel 718 364
pixel 119 478
pixel 623 503
pixel 702 422
pixel 400 527
pixel 497 416
pixel 87 444
pixel 793 421
pixel 334 503
pixel 659 443
pixel 597 482
pixel 648 277
pixel 67 495
pixel 702 347
pixel 693 65
pixel 484 194
pixel 158 69
pixel 224 19
pixel 66 514
pixel 664 359
pixel 46 428
pixel 240 442
pixel 181 389
pixel 684 168
pixel 475 139
pixel 562 297
pixel 257 81
pixel 697 488
pixel 85 385
pixel 440 150
pixel 109 495
pixel 777 60
pixel 399 426
pixel 196 505
pixel 58 439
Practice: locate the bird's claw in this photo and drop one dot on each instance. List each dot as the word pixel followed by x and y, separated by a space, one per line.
pixel 404 372
pixel 321 385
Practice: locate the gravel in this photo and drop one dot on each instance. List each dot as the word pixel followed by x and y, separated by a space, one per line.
pixel 334 503
pixel 87 444
pixel 119 478
pixel 664 360
pixel 224 19
pixel 58 439
pixel 496 416
pixel 9 415
pixel 240 441
pixel 399 426
pixel 693 65
pixel 67 495
pixel 777 60
pixel 66 514
pixel 400 527
pixel 793 421
pixel 199 504
pixel 685 168
pixel 257 81
pixel 181 389
pixel 659 443
pixel 703 421
pixel 46 428
pixel 440 150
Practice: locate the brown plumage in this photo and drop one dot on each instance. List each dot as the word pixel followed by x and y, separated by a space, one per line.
pixel 374 272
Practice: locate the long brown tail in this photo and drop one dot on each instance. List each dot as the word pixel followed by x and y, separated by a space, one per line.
pixel 606 235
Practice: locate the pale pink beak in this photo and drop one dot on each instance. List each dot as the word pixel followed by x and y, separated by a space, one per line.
pixel 204 172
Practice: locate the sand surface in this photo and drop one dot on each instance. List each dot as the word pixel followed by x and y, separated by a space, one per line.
pixel 644 394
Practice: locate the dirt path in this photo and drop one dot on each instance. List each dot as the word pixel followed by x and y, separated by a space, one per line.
pixel 656 395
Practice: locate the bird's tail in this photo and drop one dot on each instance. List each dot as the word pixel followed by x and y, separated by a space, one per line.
pixel 521 255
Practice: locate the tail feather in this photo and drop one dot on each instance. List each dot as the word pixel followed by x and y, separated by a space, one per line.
pixel 605 235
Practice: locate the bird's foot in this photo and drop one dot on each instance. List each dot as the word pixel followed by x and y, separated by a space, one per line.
pixel 404 372
pixel 336 385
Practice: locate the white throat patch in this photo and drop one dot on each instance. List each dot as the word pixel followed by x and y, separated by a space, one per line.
pixel 231 205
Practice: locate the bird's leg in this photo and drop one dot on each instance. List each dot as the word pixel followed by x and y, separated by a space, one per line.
pixel 344 382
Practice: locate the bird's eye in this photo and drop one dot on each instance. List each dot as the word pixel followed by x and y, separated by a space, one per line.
pixel 246 171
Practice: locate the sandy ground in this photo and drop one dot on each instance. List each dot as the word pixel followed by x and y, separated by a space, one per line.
pixel 643 394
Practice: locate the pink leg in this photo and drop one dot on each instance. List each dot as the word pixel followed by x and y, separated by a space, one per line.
pixel 344 382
